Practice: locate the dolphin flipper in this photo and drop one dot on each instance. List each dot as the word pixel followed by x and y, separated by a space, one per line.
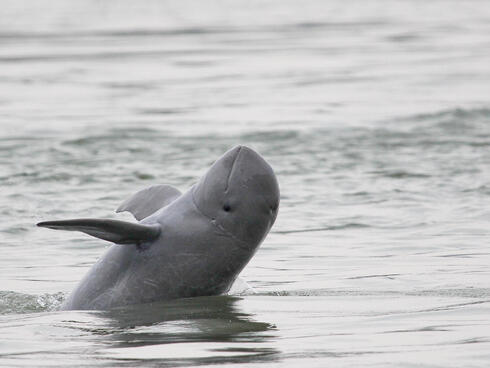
pixel 149 200
pixel 119 232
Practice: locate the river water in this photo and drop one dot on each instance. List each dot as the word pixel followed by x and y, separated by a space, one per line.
pixel 375 116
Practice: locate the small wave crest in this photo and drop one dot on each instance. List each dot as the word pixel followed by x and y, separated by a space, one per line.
pixel 455 114
pixel 352 225
pixel 457 122
pixel 470 292
pixel 12 302
pixel 241 287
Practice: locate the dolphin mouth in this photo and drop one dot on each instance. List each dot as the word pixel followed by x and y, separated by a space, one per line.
pixel 221 230
pixel 240 169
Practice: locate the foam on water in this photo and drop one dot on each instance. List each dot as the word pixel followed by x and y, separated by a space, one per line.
pixel 19 303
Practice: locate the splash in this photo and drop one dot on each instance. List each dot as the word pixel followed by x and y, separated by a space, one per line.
pixel 12 302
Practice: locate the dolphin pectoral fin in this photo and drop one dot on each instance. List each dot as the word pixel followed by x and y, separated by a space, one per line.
pixel 119 232
pixel 149 200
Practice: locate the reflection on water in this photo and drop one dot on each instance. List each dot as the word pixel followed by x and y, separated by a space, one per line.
pixel 214 328
pixel 194 319
pixel 180 332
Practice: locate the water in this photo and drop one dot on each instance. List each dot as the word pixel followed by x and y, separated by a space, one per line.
pixel 375 116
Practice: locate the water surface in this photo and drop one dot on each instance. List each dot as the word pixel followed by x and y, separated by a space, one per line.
pixel 375 116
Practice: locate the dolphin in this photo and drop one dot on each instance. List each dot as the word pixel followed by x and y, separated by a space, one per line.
pixel 183 245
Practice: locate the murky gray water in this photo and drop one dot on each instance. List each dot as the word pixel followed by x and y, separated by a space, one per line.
pixel 375 116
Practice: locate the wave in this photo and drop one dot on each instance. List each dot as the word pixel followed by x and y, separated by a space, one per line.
pixel 469 292
pixel 12 302
pixel 327 228
pixel 453 114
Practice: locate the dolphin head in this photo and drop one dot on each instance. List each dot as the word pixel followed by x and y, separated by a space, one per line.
pixel 240 196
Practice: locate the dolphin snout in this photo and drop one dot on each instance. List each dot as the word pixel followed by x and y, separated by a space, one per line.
pixel 243 154
pixel 251 170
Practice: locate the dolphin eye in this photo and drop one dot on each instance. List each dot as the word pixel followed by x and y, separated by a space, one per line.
pixel 226 208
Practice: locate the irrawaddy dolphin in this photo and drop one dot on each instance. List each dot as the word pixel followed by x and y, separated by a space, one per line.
pixel 184 245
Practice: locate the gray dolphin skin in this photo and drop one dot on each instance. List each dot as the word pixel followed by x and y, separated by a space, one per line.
pixel 184 245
